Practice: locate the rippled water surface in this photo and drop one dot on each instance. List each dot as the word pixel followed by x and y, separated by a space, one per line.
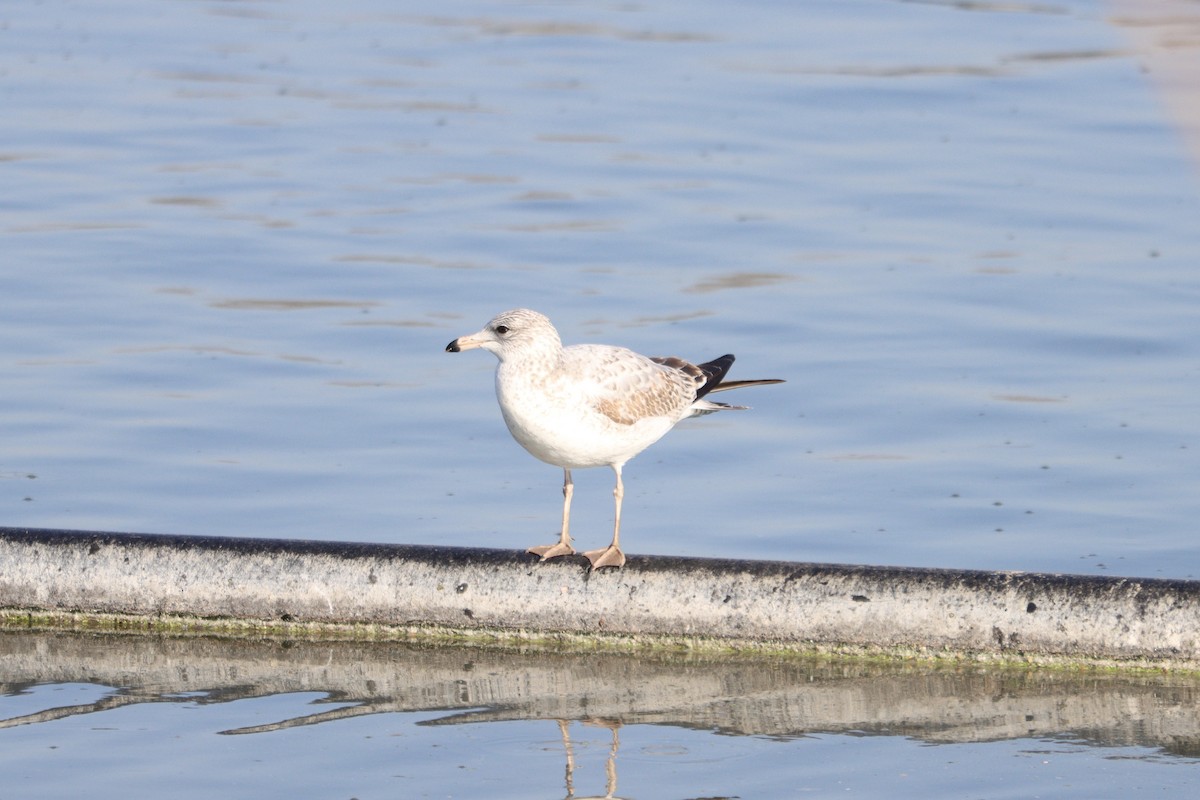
pixel 236 236
pixel 139 716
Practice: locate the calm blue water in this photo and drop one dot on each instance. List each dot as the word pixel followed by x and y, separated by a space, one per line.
pixel 191 717
pixel 235 238
pixel 238 236
pixel 126 752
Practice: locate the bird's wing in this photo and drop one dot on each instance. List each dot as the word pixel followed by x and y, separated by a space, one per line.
pixel 625 386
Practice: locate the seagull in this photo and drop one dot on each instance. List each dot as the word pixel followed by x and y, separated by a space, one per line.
pixel 590 405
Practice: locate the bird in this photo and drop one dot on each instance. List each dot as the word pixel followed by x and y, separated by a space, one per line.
pixel 591 405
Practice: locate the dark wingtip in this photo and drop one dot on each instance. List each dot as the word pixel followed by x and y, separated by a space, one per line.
pixel 453 347
pixel 714 371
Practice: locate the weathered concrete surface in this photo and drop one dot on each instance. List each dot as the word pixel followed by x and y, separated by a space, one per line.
pixel 776 604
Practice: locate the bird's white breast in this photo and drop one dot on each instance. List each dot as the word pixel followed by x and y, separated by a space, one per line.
pixel 558 420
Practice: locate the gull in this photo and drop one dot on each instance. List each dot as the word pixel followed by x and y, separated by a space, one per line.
pixel 590 405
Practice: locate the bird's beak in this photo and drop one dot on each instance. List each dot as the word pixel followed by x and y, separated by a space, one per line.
pixel 465 343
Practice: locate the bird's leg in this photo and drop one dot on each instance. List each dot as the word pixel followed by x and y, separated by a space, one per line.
pixel 611 556
pixel 563 546
pixel 566 739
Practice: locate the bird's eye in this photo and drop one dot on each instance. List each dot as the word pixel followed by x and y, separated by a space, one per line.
pixel 501 329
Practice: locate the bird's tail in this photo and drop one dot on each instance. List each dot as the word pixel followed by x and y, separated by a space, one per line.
pixel 721 387
pixel 704 406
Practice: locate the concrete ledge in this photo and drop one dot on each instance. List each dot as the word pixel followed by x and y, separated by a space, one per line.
pixel 715 603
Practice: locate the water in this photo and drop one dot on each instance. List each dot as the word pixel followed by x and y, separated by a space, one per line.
pixel 190 717
pixel 237 236
pixel 243 234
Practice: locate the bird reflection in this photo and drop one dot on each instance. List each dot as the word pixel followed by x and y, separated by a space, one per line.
pixel 610 764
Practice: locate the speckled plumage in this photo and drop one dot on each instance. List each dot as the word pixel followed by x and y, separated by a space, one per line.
pixel 589 405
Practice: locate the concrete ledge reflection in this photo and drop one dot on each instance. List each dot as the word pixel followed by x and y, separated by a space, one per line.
pixel 268 585
pixel 764 697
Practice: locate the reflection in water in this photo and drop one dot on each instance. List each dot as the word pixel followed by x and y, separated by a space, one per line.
pixel 773 698
pixel 610 764
pixel 1166 37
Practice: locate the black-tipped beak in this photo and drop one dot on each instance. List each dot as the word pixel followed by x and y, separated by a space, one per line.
pixel 467 342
